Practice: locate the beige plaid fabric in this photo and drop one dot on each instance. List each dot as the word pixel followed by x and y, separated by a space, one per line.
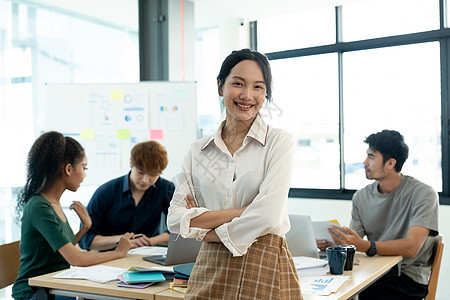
pixel 267 271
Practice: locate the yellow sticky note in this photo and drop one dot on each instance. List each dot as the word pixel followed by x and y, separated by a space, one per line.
pixel 335 222
pixel 87 134
pixel 117 95
pixel 123 134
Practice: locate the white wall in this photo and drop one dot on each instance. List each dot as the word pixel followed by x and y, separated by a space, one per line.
pixel 321 210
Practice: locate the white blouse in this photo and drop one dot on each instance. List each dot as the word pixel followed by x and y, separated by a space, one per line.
pixel 258 174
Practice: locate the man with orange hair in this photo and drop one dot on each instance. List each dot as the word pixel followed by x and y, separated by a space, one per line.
pixel 132 203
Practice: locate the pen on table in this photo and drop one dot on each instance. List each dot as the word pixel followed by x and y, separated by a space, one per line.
pixel 135 237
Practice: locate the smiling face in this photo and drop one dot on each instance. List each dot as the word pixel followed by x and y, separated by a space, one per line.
pixel 244 91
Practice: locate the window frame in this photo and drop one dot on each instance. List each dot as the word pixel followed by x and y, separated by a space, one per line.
pixel 441 35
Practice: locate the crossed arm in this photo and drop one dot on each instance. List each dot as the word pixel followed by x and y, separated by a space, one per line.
pixel 408 247
pixel 212 219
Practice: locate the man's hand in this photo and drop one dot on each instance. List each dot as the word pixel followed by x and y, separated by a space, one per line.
pixel 323 244
pixel 141 240
pixel 352 238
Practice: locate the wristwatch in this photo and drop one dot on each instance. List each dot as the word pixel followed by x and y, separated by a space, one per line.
pixel 372 250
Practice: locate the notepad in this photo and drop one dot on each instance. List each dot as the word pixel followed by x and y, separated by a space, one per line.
pixel 133 285
pixel 139 277
pixel 184 269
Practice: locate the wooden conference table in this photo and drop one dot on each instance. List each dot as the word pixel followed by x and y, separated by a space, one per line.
pixel 368 271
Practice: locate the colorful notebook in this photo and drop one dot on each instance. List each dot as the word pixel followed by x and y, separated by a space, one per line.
pixel 139 277
pixel 184 269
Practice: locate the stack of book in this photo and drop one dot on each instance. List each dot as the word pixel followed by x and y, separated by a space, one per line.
pixel 181 277
pixel 179 284
pixel 308 266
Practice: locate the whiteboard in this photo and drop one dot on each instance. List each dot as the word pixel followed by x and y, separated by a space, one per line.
pixel 109 119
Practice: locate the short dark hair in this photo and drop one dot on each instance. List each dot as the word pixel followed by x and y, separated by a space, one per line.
pixel 390 144
pixel 246 54
pixel 150 157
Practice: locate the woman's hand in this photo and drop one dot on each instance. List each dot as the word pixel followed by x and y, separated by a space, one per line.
pixel 82 213
pixel 190 202
pixel 125 243
pixel 212 237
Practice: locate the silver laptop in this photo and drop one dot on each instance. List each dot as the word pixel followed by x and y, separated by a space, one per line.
pixel 300 238
pixel 179 251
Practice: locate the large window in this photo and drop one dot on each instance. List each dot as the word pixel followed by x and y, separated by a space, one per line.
pixel 206 69
pixel 370 19
pixel 40 44
pixel 375 75
pixel 307 28
pixel 306 104
pixel 383 89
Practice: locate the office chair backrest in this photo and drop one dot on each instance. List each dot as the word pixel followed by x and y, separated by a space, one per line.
pixel 9 263
pixel 435 267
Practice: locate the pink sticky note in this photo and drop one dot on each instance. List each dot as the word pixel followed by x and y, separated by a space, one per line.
pixel 156 134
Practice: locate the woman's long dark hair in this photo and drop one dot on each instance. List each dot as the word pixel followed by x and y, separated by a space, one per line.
pixel 46 159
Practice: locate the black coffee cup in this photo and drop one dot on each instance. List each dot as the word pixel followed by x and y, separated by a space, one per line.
pixel 350 255
pixel 336 259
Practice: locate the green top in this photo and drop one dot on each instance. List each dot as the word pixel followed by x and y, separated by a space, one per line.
pixel 43 233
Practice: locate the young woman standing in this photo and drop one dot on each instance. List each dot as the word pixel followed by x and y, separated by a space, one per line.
pixel 233 191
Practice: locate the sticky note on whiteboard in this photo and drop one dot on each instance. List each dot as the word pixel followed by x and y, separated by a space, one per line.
pixel 117 95
pixel 87 134
pixel 156 134
pixel 123 134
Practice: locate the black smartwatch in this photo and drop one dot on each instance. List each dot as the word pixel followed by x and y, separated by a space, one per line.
pixel 372 250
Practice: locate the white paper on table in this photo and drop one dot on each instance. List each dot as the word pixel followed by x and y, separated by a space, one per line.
pixel 322 285
pixel 101 274
pixel 321 230
pixel 158 268
pixel 305 262
pixel 148 250
pixel 322 271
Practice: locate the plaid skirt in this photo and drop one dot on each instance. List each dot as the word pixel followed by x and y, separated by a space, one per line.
pixel 267 271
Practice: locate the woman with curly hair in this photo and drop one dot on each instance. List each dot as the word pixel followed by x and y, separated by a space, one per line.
pixel 55 164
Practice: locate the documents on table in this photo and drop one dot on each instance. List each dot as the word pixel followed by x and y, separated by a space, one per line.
pixel 148 250
pixel 309 266
pixel 101 274
pixel 312 273
pixel 322 285
pixel 321 230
